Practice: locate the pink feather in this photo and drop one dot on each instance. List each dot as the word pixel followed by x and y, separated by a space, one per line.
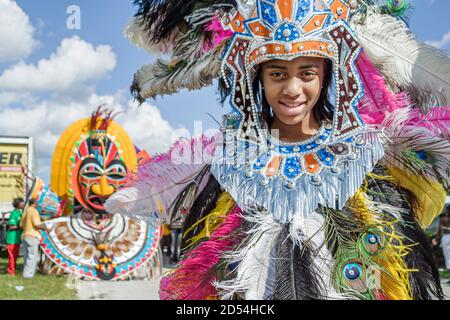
pixel 160 180
pixel 218 35
pixel 378 101
pixel 437 120
pixel 193 279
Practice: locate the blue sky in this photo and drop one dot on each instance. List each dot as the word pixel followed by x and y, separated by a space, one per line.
pixel 102 22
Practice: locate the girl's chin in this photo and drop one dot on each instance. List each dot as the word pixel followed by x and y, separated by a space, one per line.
pixel 292 120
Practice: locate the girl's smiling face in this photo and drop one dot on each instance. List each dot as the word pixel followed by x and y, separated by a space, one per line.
pixel 293 88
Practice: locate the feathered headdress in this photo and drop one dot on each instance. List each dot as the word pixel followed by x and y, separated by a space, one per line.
pixel 324 200
pixel 227 39
pixel 395 76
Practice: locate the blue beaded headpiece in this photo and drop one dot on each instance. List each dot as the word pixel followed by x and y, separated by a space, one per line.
pixel 287 29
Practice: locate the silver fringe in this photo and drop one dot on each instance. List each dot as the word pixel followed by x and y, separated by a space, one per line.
pixel 305 198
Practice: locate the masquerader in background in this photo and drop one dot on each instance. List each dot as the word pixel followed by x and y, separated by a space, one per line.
pixel 443 237
pixel 90 163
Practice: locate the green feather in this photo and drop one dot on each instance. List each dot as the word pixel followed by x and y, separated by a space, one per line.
pixel 397 8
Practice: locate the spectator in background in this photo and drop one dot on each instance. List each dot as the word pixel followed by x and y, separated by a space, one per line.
pixel 13 236
pixel 31 237
pixel 443 236
pixel 166 241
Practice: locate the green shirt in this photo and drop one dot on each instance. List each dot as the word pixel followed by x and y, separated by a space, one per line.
pixel 13 236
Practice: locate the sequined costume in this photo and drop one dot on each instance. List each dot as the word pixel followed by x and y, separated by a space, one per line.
pixel 338 216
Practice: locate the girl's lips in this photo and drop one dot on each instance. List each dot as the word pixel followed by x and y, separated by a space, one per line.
pixel 293 109
pixel 293 104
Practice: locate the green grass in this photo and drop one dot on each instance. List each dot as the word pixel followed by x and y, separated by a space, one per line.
pixel 444 274
pixel 41 287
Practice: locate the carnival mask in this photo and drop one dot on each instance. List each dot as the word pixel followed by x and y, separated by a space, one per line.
pixel 99 174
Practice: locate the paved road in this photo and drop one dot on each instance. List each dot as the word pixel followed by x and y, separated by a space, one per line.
pixel 123 290
pixel 446 288
pixel 126 290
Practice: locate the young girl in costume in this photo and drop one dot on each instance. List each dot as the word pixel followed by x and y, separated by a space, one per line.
pixel 331 163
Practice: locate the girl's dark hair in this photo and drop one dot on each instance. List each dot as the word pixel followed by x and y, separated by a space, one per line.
pixel 16 202
pixel 323 110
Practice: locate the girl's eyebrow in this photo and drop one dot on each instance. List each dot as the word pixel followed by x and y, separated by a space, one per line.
pixel 277 66
pixel 312 66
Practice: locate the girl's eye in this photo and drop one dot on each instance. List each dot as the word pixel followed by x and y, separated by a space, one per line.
pixel 277 74
pixel 308 75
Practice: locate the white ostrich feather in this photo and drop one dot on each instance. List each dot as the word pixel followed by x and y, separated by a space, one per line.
pixel 310 232
pixel 256 270
pixel 138 36
pixel 255 261
pixel 406 64
pixel 160 78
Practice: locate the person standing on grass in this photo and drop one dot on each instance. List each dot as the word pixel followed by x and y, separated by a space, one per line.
pixel 32 226
pixel 13 235
pixel 443 236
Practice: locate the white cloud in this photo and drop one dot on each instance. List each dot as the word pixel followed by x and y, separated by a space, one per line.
pixel 148 129
pixel 46 121
pixel 16 32
pixel 75 63
pixel 10 97
pixel 441 44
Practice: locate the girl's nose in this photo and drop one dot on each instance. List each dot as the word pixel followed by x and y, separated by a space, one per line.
pixel 293 87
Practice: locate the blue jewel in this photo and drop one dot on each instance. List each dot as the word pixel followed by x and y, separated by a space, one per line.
pixel 326 157
pixel 287 32
pixel 285 149
pixel 268 14
pixel 292 168
pixel 260 162
pixel 304 7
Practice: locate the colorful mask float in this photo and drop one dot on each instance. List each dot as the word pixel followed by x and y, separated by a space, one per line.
pixel 90 163
pixel 338 216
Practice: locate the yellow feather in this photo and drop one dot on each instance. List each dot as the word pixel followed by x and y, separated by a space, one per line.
pixel 213 220
pixel 391 267
pixel 430 195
